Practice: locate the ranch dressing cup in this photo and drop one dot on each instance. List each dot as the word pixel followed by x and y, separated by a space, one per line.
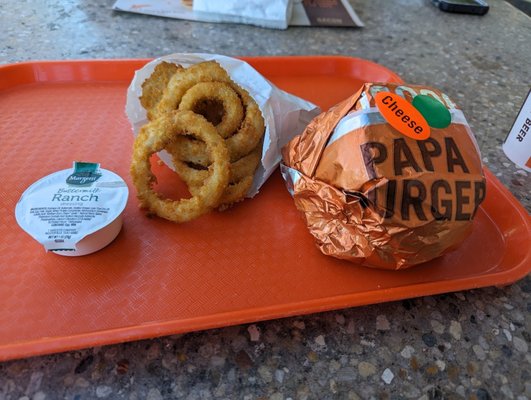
pixel 75 211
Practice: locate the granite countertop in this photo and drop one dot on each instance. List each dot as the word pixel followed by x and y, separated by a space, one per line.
pixel 465 345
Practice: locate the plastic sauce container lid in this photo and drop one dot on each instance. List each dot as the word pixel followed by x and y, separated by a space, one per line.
pixel 75 211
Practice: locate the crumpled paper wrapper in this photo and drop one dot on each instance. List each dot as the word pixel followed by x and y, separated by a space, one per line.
pixel 285 115
pixel 374 196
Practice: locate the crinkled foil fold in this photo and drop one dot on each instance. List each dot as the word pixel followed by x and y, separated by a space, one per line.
pixel 392 212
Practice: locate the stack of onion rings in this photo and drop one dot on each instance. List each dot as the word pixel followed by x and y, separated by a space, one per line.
pixel 171 96
pixel 155 136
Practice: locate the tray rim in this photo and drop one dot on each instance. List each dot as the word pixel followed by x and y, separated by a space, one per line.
pixel 56 344
pixel 5 68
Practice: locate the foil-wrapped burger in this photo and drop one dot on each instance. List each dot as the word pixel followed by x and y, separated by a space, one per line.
pixel 389 178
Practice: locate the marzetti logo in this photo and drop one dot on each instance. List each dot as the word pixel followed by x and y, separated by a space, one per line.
pixel 85 174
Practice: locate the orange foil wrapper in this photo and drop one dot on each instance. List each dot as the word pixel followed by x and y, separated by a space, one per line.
pixel 377 197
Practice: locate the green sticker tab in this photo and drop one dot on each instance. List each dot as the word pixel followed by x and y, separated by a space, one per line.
pixel 435 113
pixel 85 174
pixel 80 166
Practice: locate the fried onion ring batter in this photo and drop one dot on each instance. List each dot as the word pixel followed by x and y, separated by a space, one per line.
pixel 157 135
pixel 234 192
pixel 232 109
pixel 184 79
pixel 239 144
pixel 153 87
pixel 239 169
pixel 205 90
pixel 252 127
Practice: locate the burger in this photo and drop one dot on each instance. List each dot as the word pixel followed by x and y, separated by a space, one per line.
pixel 390 178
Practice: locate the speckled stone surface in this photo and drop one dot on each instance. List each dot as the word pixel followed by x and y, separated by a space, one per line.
pixel 466 345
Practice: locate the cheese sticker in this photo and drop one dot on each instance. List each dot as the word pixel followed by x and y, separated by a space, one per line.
pixel 402 115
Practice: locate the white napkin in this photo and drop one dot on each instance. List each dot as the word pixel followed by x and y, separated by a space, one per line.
pixel 264 13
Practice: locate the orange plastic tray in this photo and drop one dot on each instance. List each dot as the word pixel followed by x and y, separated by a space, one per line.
pixel 254 262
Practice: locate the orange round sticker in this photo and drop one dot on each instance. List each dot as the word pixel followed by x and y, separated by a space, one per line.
pixel 402 116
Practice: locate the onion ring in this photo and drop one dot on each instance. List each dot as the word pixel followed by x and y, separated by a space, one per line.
pixel 153 87
pixel 197 90
pixel 155 136
pixel 232 108
pixel 184 148
pixel 234 193
pixel 252 127
pixel 240 181
pixel 239 144
pixel 239 169
pixel 251 130
pixel 184 79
